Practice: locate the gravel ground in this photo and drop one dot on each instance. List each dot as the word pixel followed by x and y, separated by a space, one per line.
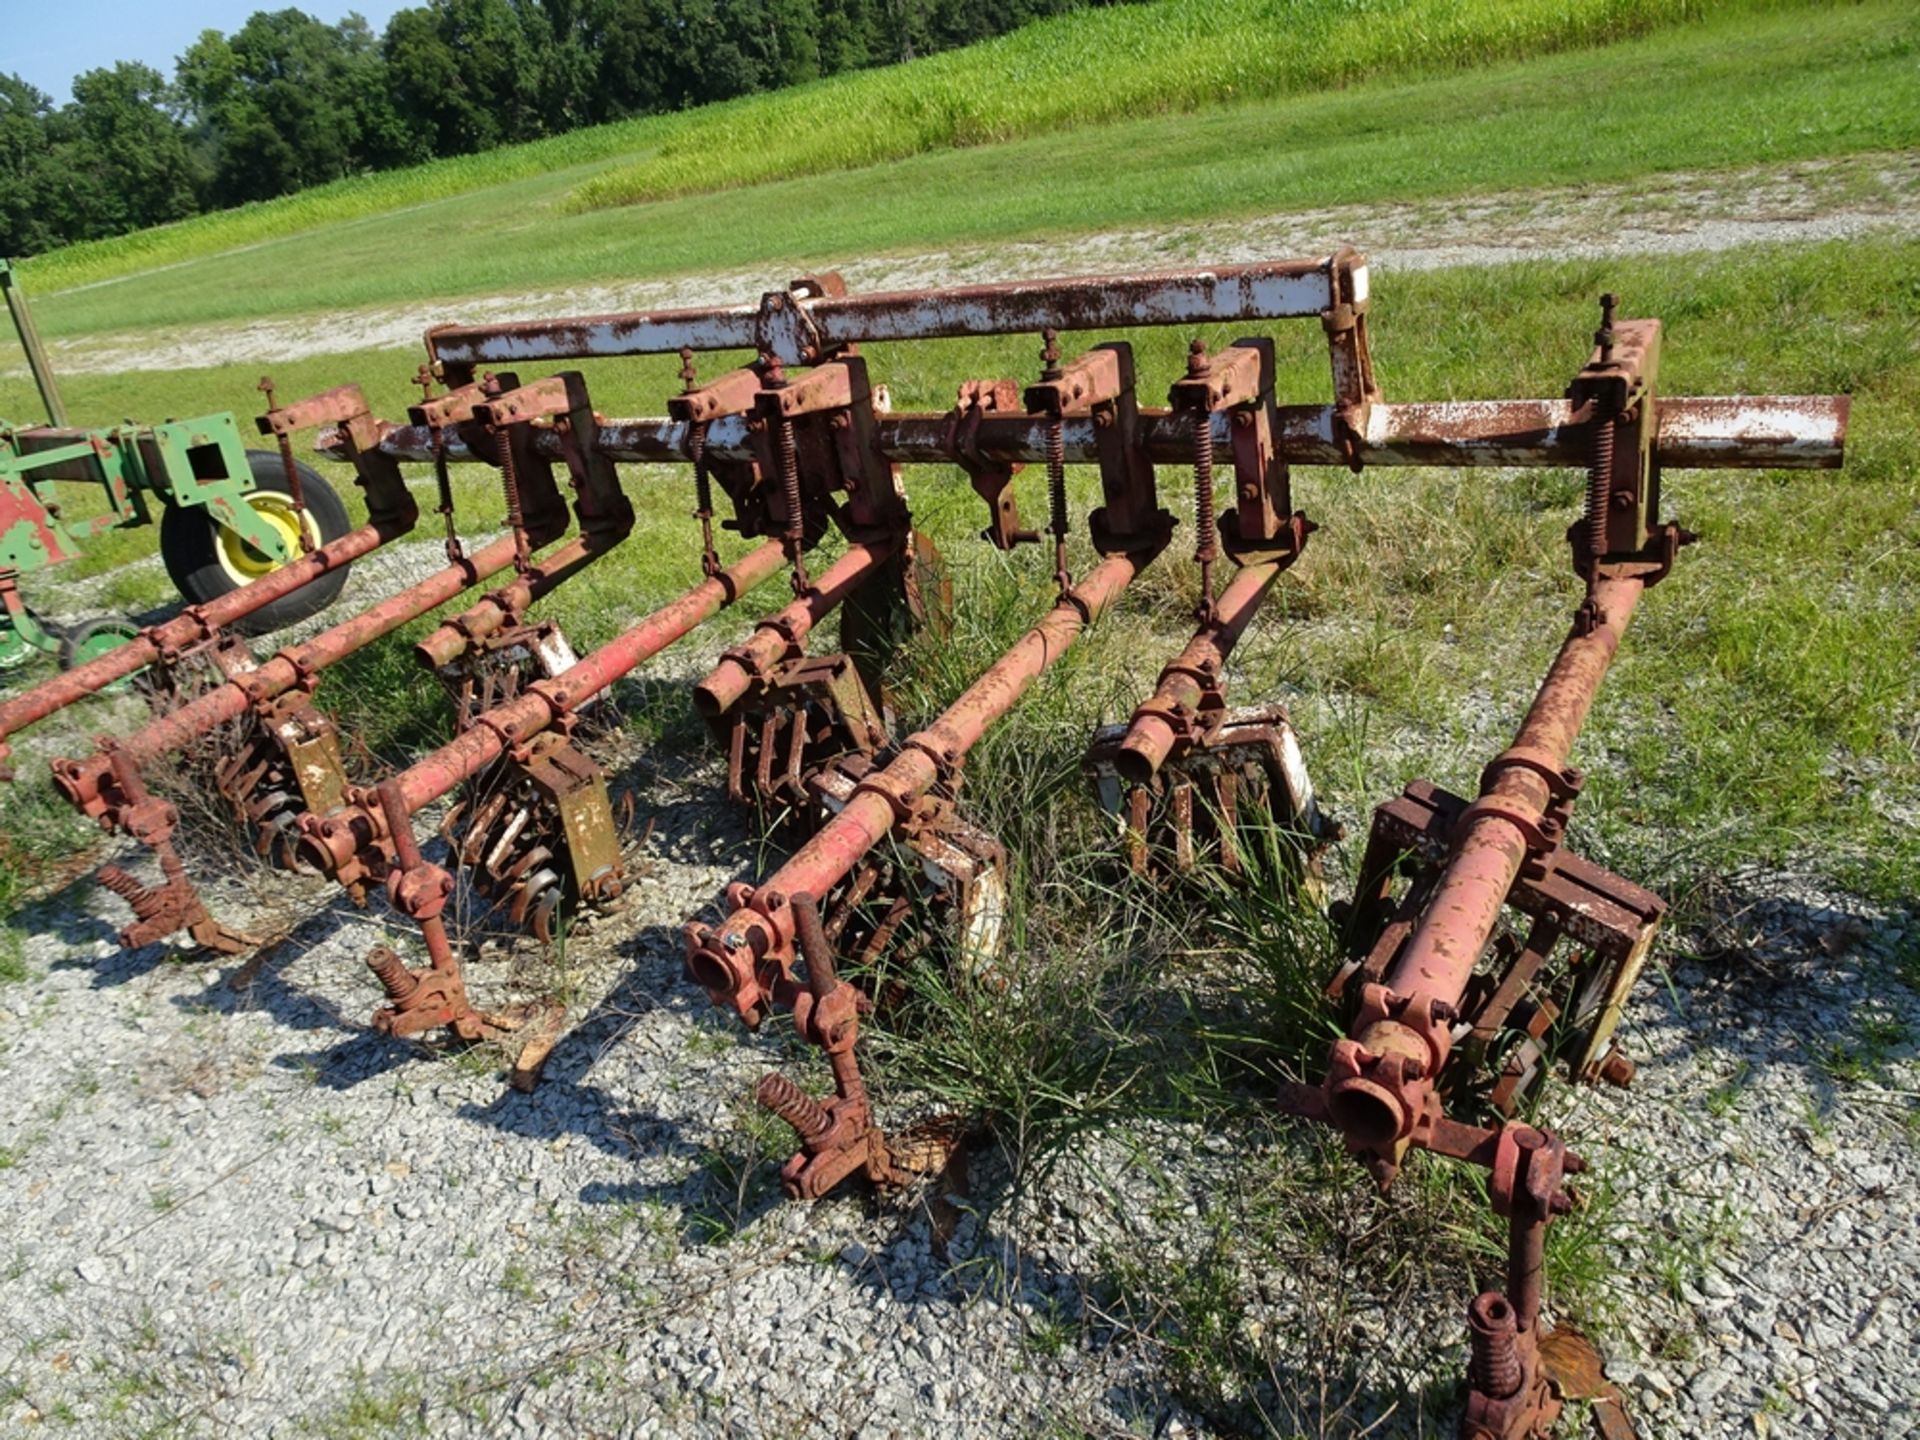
pixel 229 1208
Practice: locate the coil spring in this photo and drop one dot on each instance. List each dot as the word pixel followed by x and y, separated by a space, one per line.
pixel 1600 471
pixel 806 1115
pixel 1599 482
pixel 392 973
pixel 1057 496
pixel 510 490
pixel 796 523
pixel 1206 535
pixel 145 900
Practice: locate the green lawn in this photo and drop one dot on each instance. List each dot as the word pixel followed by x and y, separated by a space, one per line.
pixel 1804 84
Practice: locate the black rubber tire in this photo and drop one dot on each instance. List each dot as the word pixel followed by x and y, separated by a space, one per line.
pixel 189 546
pixel 74 639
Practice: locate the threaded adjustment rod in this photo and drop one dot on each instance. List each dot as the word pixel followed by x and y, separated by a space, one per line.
pixel 1494 1367
pixel 702 481
pixel 807 1116
pixel 392 973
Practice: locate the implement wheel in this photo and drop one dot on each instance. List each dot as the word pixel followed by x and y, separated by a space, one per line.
pixel 207 560
pixel 92 639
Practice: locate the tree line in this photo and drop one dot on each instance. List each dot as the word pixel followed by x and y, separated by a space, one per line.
pixel 288 101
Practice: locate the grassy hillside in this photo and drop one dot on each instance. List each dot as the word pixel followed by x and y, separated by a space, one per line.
pixel 1120 63
pixel 1107 64
pixel 1809 84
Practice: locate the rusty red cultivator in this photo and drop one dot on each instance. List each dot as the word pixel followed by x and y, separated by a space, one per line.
pixel 1449 1002
pixel 283 757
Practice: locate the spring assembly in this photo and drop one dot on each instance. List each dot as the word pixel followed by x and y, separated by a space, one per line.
pixel 1493 1366
pixel 1056 465
pixel 292 473
pixel 1206 547
pixel 392 973
pixel 702 481
pixel 1600 467
pixel 147 901
pixel 776 378
pixel 510 489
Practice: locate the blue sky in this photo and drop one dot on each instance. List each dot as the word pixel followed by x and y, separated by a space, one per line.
pixel 48 42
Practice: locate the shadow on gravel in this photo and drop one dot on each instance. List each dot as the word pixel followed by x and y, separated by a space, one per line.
pixel 67 915
pixel 1777 981
pixel 259 982
pixel 566 1101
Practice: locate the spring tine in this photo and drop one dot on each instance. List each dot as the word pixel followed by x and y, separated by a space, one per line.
pixel 769 735
pixel 795 785
pixel 537 855
pixel 1182 807
pixel 737 760
pixel 500 852
pixel 863 882
pixel 1227 820
pixel 883 933
pixel 1139 807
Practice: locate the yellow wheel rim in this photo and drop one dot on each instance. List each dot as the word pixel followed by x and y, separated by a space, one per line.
pixel 240 560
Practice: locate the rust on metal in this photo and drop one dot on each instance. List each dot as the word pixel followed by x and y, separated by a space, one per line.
pixel 1759 432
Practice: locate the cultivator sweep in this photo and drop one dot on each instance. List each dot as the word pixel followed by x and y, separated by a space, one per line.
pixel 1455 1014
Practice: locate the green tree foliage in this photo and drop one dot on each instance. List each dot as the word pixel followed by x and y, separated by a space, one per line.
pixel 31 213
pixel 114 159
pixel 288 101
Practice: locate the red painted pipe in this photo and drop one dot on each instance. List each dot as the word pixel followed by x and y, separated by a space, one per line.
pixel 1458 920
pixel 331 841
pixel 446 644
pixel 1150 734
pixel 774 637
pixel 725 961
pixel 80 780
pixel 190 626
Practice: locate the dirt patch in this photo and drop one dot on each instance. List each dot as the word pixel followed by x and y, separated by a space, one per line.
pixel 1666 215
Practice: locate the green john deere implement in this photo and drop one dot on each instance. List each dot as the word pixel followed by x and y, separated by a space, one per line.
pixel 227 515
